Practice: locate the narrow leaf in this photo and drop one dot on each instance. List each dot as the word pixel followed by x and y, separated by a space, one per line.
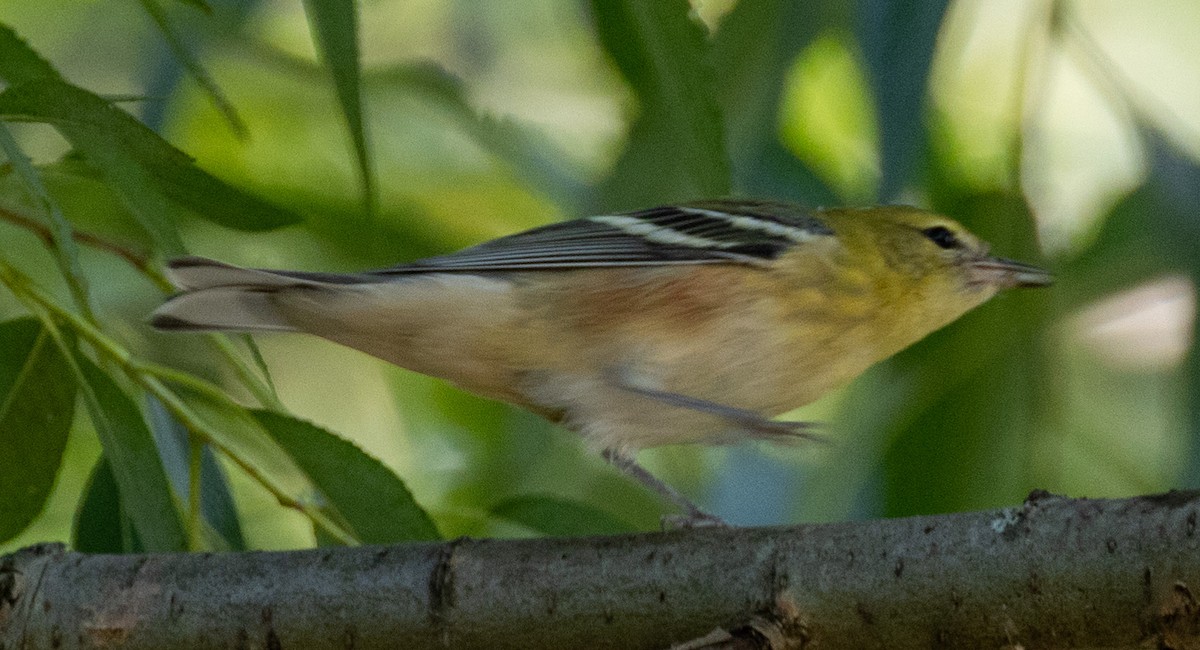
pixel 19 62
pixel 133 185
pixel 37 404
pixel 216 501
pixel 334 25
pixel 101 525
pixel 129 446
pixel 371 499
pixel 559 517
pixel 898 41
pixel 676 146
pixel 194 68
pixel 140 165
pixel 66 251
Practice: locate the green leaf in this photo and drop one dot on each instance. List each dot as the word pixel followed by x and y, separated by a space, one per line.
pixel 37 404
pixel 898 41
pixel 368 496
pixel 235 432
pixel 752 54
pixel 676 148
pixel 129 446
pixel 101 525
pixel 334 25
pixel 19 62
pixel 202 5
pixel 132 184
pixel 193 66
pixel 62 244
pixel 216 501
pixel 86 201
pixel 143 168
pixel 559 517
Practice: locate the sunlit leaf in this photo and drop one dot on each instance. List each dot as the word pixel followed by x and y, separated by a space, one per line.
pixel 369 496
pixel 335 28
pixel 554 516
pixel 129 446
pixel 37 403
pixel 827 118
pixel 898 41
pixel 676 147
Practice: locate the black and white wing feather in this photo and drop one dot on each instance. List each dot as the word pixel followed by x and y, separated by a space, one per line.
pixel 691 233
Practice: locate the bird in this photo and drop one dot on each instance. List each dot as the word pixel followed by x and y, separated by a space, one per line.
pixel 697 322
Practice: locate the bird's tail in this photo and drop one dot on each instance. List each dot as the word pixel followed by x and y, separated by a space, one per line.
pixel 215 296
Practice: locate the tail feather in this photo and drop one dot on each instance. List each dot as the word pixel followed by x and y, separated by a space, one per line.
pixel 218 296
pixel 193 273
pixel 238 309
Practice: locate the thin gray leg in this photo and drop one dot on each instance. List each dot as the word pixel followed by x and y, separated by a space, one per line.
pixel 748 421
pixel 694 515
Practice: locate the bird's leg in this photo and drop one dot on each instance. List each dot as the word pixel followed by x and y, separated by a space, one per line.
pixel 745 420
pixel 693 516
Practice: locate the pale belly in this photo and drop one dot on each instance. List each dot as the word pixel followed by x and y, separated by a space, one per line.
pixel 724 344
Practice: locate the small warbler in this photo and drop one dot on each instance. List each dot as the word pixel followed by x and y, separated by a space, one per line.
pixel 686 323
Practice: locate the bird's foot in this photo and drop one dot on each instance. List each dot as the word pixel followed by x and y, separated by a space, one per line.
pixel 696 519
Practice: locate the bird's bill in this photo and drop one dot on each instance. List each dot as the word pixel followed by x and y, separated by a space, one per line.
pixel 1007 273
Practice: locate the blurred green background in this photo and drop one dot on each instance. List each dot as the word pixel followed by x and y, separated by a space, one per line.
pixel 1066 133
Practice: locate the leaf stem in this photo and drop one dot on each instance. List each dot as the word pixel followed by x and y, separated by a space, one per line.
pixel 194 522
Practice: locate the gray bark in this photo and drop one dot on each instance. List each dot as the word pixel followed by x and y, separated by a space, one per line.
pixel 1053 573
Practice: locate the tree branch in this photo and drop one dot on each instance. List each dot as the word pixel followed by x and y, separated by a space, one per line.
pixel 1055 572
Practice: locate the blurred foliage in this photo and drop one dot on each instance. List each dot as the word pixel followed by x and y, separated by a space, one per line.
pixel 341 135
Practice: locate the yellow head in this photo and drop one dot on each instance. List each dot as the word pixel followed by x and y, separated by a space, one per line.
pixel 927 268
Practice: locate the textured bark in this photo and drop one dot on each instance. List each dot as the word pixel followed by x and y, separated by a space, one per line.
pixel 1053 573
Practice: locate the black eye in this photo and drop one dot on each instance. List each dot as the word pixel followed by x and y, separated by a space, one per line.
pixel 941 236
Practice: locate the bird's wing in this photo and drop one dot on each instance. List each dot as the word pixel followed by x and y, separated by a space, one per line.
pixel 691 233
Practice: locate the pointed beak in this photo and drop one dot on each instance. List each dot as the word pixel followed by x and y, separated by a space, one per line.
pixel 1006 273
